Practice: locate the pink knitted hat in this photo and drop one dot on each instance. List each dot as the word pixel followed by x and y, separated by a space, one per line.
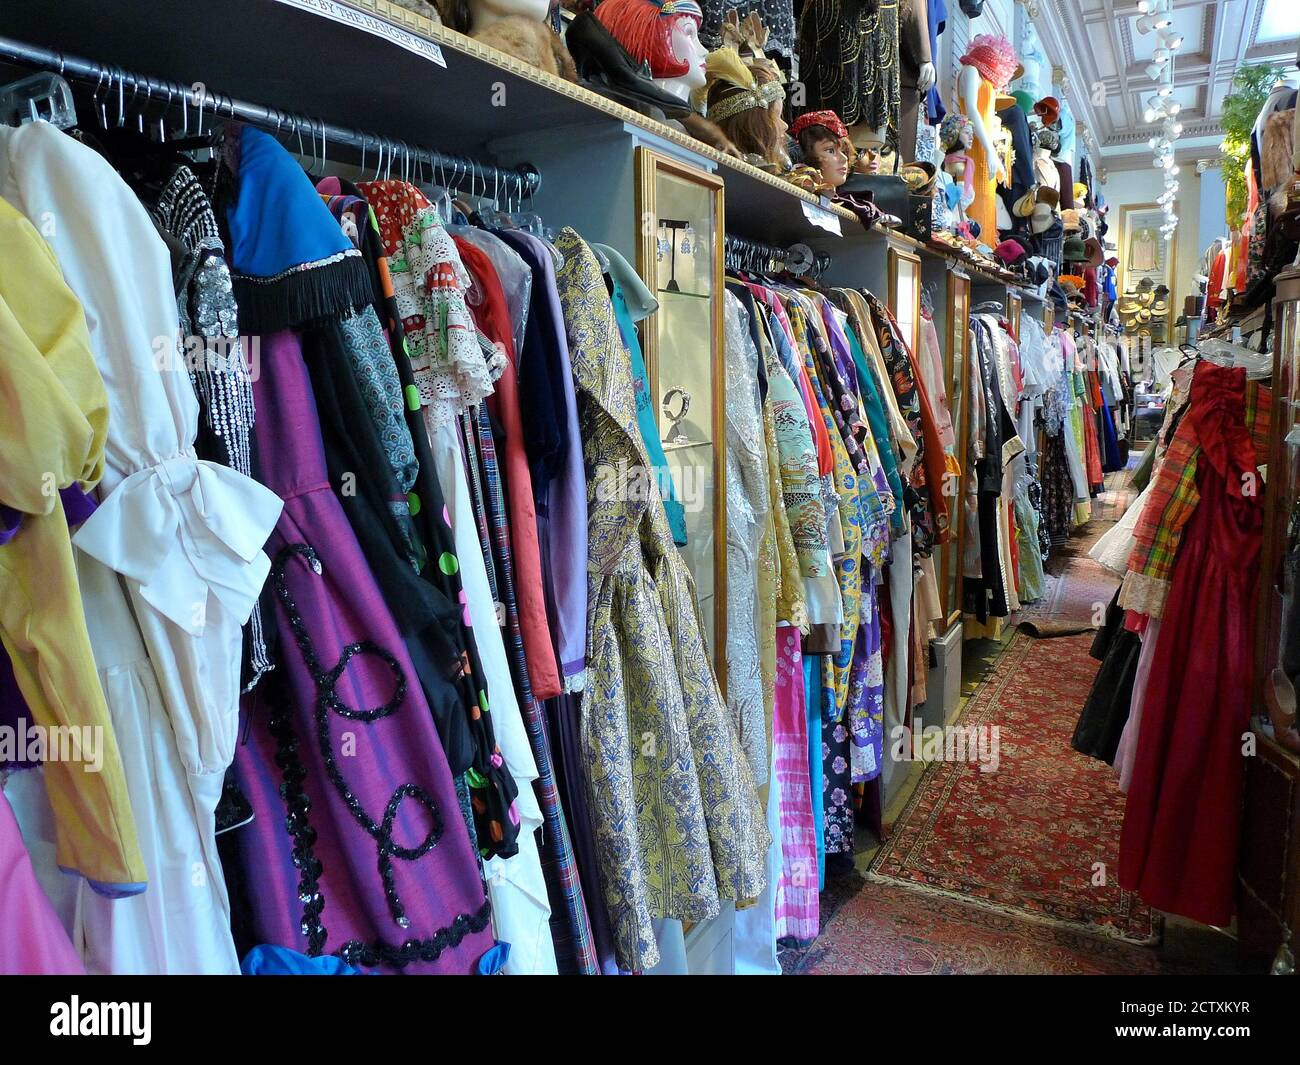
pixel 993 57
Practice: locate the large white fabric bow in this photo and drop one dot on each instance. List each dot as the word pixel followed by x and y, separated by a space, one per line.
pixel 185 529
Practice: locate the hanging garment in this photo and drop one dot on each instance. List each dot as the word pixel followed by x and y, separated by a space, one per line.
pixel 573 937
pixel 650 672
pixel 516 887
pixel 797 903
pixel 554 447
pixel 755 926
pixel 492 316
pixel 48 368
pixel 32 942
pixel 452 374
pixel 1178 849
pixel 1126 752
pixel 647 419
pixel 513 274
pixel 747 513
pixel 185 534
pixel 929 507
pixel 356 813
pixel 849 61
pixel 929 363
pixel 218 364
pixel 1105 712
pixel 392 403
pixel 988 588
pixel 802 500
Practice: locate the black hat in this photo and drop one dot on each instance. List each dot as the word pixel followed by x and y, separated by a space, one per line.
pixel 1058 298
pixel 972 8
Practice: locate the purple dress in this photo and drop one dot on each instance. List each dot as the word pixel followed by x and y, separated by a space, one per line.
pixel 358 847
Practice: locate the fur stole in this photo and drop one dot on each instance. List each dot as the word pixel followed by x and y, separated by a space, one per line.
pixel 1275 150
pixel 531 41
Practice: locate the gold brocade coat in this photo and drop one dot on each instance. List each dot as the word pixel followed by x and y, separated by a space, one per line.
pixel 677 819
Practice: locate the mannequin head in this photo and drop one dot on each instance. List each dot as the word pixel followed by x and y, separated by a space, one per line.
pixel 956 133
pixel 745 101
pixel 1047 140
pixel 824 142
pixel 875 155
pixel 662 33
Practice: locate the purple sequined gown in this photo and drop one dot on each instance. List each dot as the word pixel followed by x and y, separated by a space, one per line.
pixel 318 878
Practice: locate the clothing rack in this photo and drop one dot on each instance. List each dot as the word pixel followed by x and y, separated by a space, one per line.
pixel 758 258
pixel 454 171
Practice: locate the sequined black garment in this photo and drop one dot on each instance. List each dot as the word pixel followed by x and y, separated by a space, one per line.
pixel 848 53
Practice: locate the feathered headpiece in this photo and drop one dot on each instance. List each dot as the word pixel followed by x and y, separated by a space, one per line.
pixel 725 65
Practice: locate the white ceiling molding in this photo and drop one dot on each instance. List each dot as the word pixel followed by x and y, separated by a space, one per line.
pixel 1095 46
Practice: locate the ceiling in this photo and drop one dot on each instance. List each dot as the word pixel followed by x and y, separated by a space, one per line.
pixel 1107 86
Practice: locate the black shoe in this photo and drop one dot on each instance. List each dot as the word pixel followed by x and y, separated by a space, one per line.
pixel 604 66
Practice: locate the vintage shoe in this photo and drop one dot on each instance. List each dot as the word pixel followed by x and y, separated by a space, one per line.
pixel 604 66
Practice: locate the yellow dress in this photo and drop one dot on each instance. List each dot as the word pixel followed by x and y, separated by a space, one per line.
pixel 984 208
pixel 56 411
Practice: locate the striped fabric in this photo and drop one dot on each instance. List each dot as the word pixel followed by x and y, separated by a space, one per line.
pixel 1172 499
pixel 1169 506
pixel 798 908
pixel 575 948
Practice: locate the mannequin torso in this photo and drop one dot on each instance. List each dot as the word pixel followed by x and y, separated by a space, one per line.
pixel 976 96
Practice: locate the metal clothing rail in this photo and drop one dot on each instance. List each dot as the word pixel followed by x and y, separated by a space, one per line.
pixel 759 258
pixel 121 90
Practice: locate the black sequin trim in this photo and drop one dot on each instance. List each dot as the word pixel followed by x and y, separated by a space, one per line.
pixel 298 805
pixel 367 955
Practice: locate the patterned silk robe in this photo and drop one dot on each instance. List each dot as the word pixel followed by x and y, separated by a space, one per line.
pixel 677 819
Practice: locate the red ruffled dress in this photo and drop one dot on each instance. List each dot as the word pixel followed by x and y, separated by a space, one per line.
pixel 1181 822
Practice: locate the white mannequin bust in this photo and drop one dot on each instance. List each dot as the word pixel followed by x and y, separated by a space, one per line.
pixel 687 49
pixel 484 13
pixel 968 85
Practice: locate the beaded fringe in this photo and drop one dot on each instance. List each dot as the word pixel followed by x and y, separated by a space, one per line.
pixel 329 291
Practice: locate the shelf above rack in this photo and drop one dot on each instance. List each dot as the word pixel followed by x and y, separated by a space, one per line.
pixel 420 83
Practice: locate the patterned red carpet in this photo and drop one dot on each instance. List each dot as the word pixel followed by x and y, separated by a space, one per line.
pixel 999 872
pixel 1039 836
pixel 875 928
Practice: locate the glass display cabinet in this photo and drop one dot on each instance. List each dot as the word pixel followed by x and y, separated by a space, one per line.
pixel 905 293
pixel 680 250
pixel 956 360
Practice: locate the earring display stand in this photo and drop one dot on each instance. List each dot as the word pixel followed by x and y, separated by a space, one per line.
pixel 674 226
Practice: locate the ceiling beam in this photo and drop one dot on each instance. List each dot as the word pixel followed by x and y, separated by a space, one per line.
pixel 1131 113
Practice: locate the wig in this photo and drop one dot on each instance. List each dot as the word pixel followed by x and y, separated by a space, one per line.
pixel 741 99
pixel 645 29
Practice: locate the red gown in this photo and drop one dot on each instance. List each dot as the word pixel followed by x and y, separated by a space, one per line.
pixel 1178 849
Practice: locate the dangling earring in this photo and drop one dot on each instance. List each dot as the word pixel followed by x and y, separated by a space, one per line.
pixel 688 240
